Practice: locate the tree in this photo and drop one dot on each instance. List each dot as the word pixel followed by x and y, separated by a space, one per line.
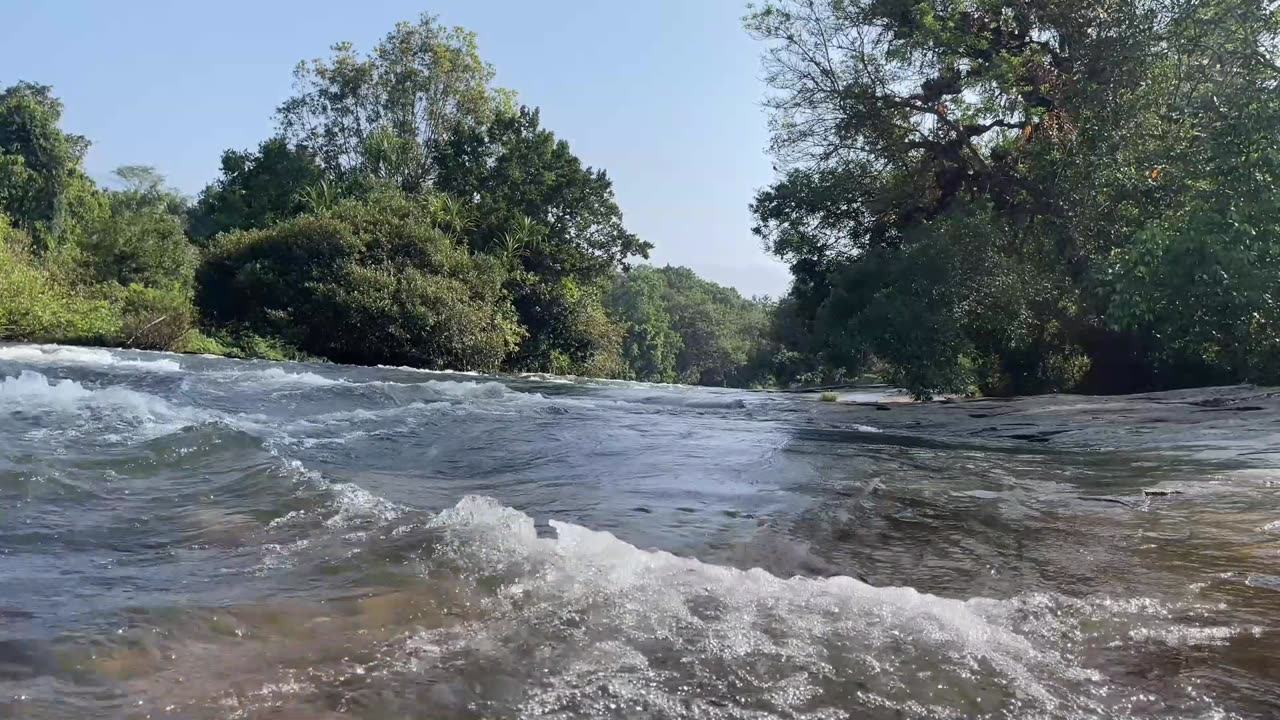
pixel 142 238
pixel 387 112
pixel 650 344
pixel 679 327
pixel 43 189
pixel 529 199
pixel 514 169
pixel 979 192
pixel 256 189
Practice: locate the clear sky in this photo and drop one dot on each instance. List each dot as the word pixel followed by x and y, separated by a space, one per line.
pixel 663 94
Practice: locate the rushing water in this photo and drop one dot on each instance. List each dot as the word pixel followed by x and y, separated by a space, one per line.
pixel 188 537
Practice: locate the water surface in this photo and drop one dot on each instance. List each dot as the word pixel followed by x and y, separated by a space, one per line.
pixel 189 537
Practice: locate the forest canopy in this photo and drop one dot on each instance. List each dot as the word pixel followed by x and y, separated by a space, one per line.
pixel 1015 196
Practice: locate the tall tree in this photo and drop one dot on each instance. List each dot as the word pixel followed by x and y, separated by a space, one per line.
pixel 389 110
pixel 256 189
pixel 986 166
pixel 530 199
pixel 142 238
pixel 43 189
pixel 512 169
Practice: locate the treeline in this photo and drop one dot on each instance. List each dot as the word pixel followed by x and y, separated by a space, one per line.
pixel 407 212
pixel 1019 196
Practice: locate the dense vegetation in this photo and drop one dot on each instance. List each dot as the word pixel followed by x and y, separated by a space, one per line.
pixel 996 196
pixel 406 212
pixel 1020 196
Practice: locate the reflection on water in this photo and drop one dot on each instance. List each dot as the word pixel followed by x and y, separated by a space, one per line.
pixel 190 537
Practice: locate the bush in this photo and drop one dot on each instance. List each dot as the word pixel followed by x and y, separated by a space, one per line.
pixel 241 344
pixel 154 318
pixel 198 343
pixel 569 332
pixel 367 282
pixel 36 306
pixel 138 246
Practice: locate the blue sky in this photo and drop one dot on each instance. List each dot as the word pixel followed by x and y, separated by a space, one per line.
pixel 664 94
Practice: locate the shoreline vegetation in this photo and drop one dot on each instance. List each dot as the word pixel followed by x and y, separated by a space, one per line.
pixel 975 198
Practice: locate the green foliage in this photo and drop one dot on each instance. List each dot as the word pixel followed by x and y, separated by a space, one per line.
pixel 90 266
pixel 1014 197
pixel 256 189
pixel 385 113
pixel 142 238
pixel 519 170
pixel 679 327
pixel 568 330
pixel 39 163
pixel 153 318
pixel 236 342
pixel 650 344
pixel 43 189
pixel 36 306
pixel 516 171
pixel 368 282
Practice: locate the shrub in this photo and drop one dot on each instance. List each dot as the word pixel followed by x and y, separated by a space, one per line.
pixel 366 282
pixel 154 318
pixel 36 306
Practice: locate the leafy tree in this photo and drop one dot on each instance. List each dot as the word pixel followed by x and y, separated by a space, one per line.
pixel 36 305
pixel 679 327
pixel 43 189
pixel 387 112
pixel 568 329
pixel 257 189
pixel 517 171
pixel 521 194
pixel 650 344
pixel 142 239
pixel 1025 195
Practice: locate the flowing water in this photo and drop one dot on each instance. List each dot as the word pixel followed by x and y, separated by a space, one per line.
pixel 189 537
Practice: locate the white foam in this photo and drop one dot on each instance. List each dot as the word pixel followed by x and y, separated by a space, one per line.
pixel 32 392
pixel 784 634
pixel 474 390
pixel 275 377
pixel 52 355
pixel 798 647
pixel 353 503
pixel 406 368
pixel 548 378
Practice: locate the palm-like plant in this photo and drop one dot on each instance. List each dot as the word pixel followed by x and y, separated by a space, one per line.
pixel 319 197
pixel 453 215
pixel 522 239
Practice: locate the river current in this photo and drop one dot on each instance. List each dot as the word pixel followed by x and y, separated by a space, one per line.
pixel 194 537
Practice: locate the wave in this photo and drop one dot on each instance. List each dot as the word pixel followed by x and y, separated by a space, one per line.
pixel 82 356
pixel 688 401
pixel 31 392
pixel 406 368
pixel 820 644
pixel 274 377
pixel 549 378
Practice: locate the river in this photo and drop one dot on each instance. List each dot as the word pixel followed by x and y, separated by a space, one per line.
pixel 194 537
